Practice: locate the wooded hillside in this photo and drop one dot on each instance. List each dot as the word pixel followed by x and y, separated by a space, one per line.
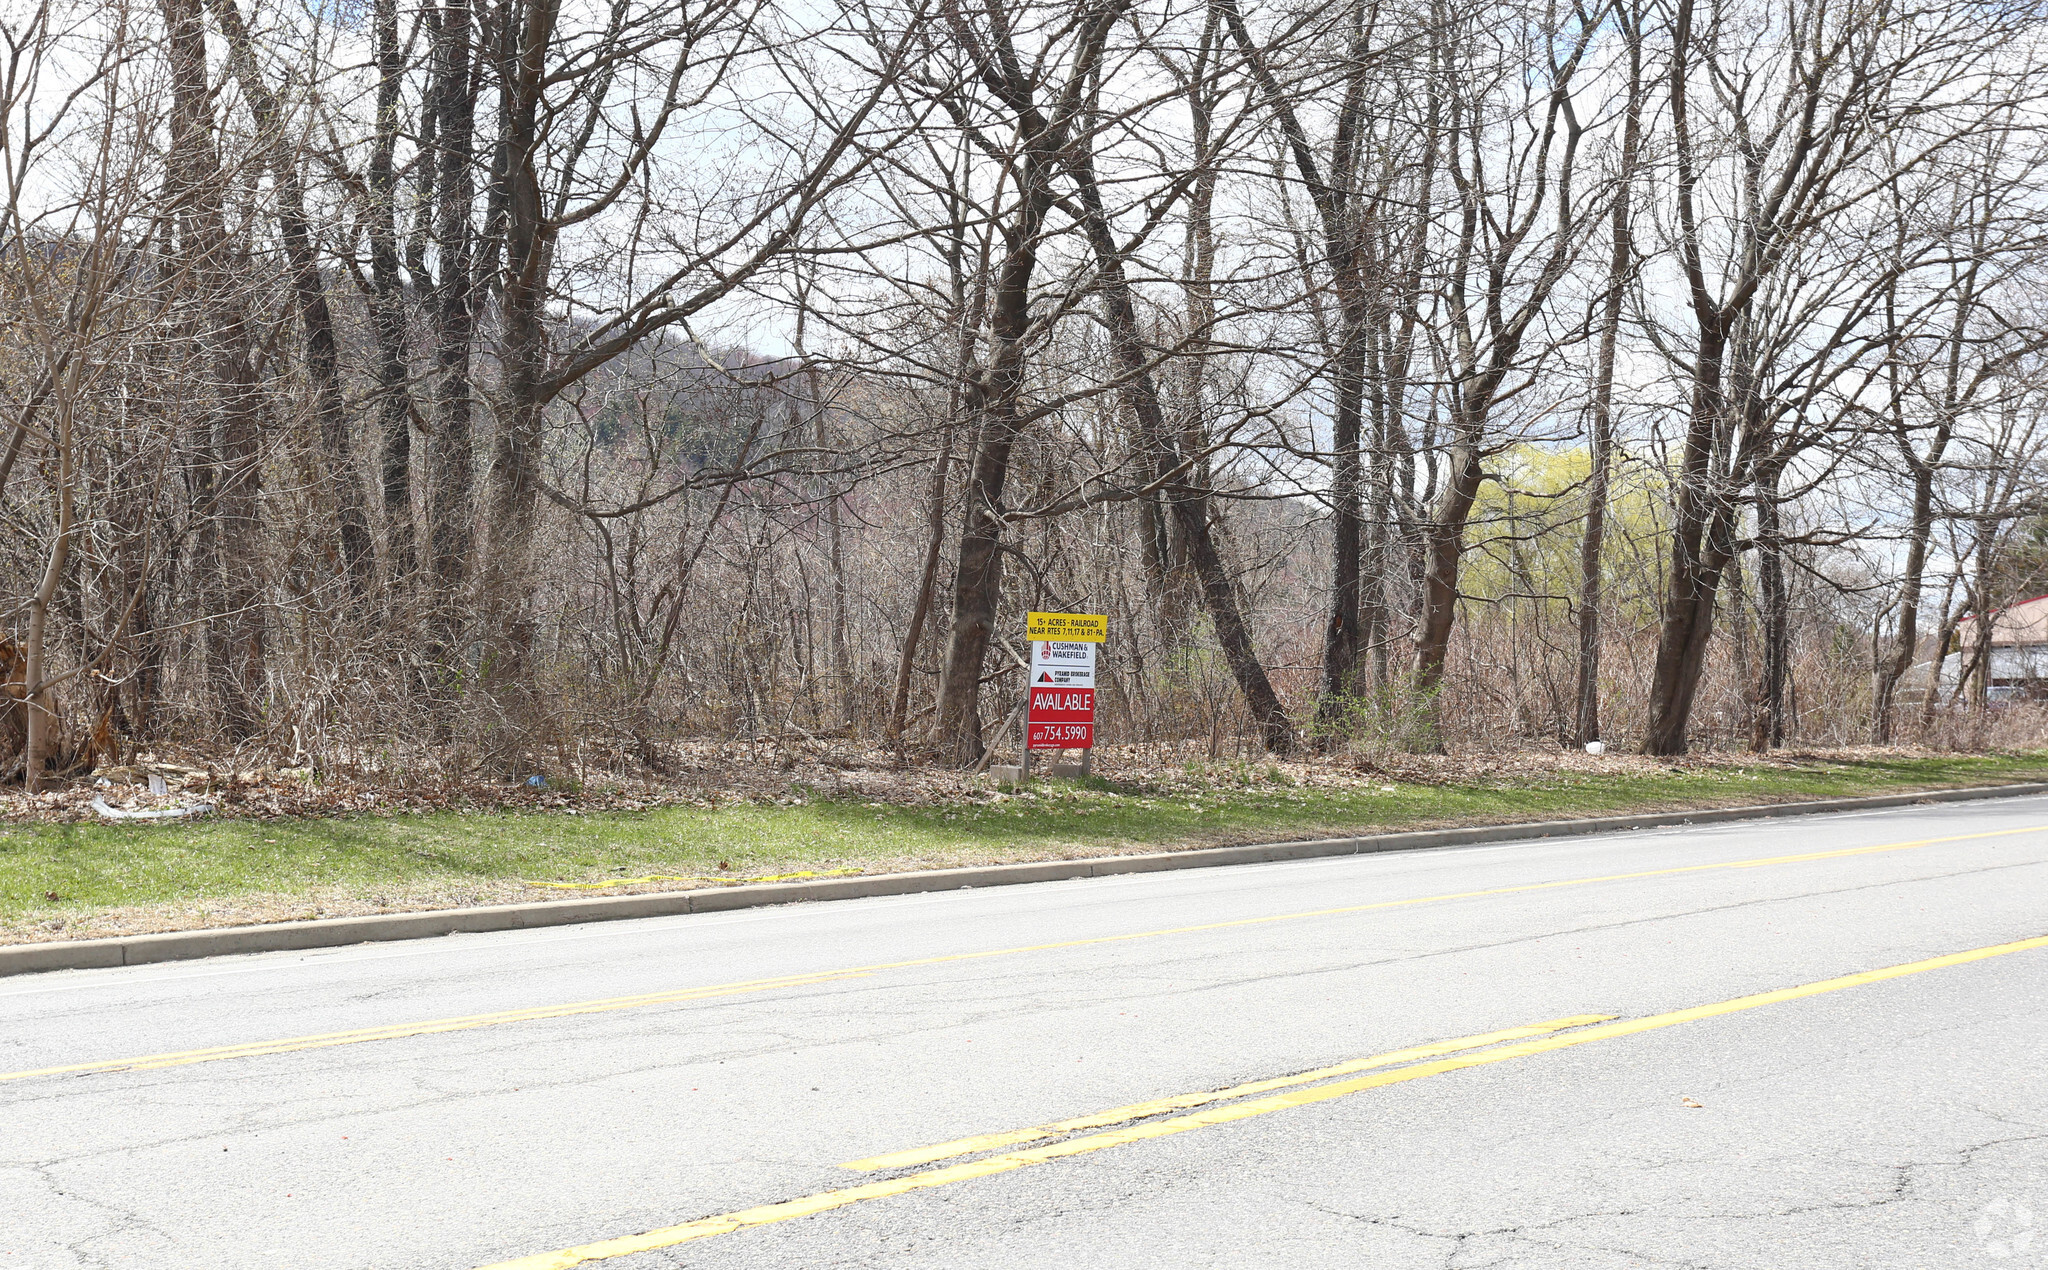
pixel 491 383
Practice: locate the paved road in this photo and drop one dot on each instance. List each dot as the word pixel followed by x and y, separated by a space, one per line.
pixel 722 1064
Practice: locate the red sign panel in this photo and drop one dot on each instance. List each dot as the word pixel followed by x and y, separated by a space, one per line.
pixel 1059 736
pixel 1060 719
pixel 1062 705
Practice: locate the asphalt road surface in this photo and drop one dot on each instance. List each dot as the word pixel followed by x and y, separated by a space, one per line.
pixel 1663 1048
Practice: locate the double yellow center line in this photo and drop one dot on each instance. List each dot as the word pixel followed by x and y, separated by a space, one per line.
pixel 1181 1102
pixel 398 1031
pixel 1543 1038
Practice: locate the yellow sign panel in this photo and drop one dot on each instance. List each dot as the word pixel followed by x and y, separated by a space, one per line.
pixel 1086 628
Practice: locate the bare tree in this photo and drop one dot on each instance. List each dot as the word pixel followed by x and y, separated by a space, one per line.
pixel 1840 107
pixel 1621 267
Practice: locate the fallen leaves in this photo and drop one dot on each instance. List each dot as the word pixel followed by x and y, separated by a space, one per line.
pixel 785 772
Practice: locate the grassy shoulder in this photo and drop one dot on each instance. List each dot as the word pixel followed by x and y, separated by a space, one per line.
pixel 66 881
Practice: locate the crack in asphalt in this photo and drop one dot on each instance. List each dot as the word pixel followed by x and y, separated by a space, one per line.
pixel 1460 1240
pixel 120 1220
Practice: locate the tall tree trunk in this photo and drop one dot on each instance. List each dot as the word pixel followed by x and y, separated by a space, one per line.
pixel 37 700
pixel 316 318
pixel 453 106
pixel 978 574
pixel 1343 633
pixel 1187 503
pixel 993 398
pixel 1593 539
pixel 977 585
pixel 1973 684
pixel 1600 442
pixel 144 680
pixel 1693 577
pixel 1219 594
pixel 1943 637
pixel 229 476
pixel 1906 638
pixel 1688 602
pixel 1178 590
pixel 527 247
pixel 1892 667
pixel 1774 617
pixel 842 664
pixel 927 583
pixel 1443 546
pixel 387 306
pixel 1374 617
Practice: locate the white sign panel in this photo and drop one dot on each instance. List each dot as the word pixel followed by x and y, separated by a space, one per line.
pixel 1062 664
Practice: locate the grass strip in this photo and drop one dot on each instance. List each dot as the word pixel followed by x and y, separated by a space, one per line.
pixel 54 875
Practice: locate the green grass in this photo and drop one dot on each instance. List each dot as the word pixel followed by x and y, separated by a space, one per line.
pixel 93 866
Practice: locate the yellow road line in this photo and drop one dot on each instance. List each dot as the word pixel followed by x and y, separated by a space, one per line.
pixel 323 1040
pixel 1180 1102
pixel 669 1236
pixel 398 1030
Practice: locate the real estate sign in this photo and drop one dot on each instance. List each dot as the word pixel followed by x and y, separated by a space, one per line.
pixel 1060 714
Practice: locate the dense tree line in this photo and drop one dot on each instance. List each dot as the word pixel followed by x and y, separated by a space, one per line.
pixel 495 381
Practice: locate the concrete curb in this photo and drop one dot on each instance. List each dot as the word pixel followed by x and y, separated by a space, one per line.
pixel 334 932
